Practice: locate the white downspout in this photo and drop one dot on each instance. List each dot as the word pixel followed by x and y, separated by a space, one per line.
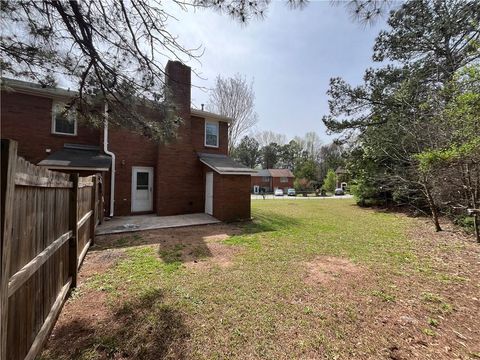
pixel 106 151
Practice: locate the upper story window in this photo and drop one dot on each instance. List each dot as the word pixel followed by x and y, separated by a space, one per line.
pixel 64 121
pixel 211 133
pixel 265 178
pixel 283 179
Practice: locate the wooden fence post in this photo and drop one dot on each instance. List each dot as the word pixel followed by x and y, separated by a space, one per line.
pixel 9 161
pixel 100 199
pixel 73 225
pixel 93 218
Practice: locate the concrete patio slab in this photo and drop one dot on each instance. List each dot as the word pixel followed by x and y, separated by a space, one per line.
pixel 122 224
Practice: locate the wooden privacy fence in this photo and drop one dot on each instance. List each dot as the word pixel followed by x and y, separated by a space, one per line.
pixel 48 223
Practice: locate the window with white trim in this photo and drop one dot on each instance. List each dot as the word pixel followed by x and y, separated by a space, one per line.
pixel 64 121
pixel 283 179
pixel 211 133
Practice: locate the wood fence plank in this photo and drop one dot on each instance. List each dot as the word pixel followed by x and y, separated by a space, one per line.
pixel 84 252
pixel 73 221
pixel 29 269
pixel 100 200
pixel 45 208
pixel 8 161
pixel 23 179
pixel 93 221
pixel 49 323
pixel 84 218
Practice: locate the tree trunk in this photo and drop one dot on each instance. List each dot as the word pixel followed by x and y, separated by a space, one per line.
pixel 433 208
pixel 476 226
pixel 472 188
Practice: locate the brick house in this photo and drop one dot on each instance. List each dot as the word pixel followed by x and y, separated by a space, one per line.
pixel 191 174
pixel 268 180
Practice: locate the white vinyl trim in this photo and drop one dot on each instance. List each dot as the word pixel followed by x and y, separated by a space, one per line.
pixel 110 153
pixel 209 193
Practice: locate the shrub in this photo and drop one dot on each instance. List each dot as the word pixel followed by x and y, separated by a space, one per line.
pixel 366 194
pixel 301 184
pixel 465 222
pixel 330 181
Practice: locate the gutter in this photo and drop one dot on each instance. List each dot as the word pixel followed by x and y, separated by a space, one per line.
pixel 106 151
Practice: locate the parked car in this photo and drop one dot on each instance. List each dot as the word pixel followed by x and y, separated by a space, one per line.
pixel 278 192
pixel 291 192
pixel 339 191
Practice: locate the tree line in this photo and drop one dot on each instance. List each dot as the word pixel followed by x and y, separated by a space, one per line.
pixel 414 124
pixel 308 159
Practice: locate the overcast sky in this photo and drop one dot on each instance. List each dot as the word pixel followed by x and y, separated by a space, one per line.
pixel 290 56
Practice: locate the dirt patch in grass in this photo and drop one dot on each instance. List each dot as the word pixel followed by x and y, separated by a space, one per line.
pixel 97 262
pixel 196 247
pixel 76 326
pixel 167 237
pixel 451 296
pixel 142 327
pixel 85 310
pixel 325 270
pixel 219 255
pixel 96 325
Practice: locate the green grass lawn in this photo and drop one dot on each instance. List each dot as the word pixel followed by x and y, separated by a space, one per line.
pixel 278 295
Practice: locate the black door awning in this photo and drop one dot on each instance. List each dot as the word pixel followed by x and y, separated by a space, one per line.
pixel 78 157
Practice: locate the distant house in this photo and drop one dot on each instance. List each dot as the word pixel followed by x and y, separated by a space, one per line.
pixel 268 180
pixel 342 178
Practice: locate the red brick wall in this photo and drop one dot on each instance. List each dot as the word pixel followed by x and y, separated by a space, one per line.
pixel 258 180
pixel 180 183
pixel 130 150
pixel 178 174
pixel 277 184
pixel 28 120
pixel 198 136
pixel 231 197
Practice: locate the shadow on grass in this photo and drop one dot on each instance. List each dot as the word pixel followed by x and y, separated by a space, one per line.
pixel 142 328
pixel 269 221
pixel 175 245
pixel 190 244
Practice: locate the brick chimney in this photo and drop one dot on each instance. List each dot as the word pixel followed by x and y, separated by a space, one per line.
pixel 178 82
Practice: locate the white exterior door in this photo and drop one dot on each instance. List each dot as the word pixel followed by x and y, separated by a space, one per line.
pixel 256 189
pixel 209 193
pixel 142 189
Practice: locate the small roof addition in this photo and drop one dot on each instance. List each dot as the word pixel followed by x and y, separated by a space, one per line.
pixel 224 165
pixel 78 157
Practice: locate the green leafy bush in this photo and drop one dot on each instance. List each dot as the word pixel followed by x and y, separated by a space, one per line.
pixel 330 181
pixel 465 222
pixel 366 194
